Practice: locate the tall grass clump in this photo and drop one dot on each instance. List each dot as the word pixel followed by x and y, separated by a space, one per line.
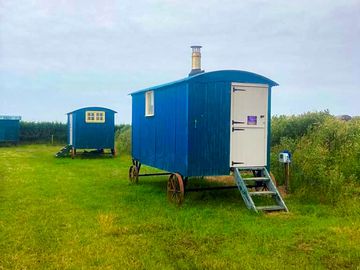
pixel 325 163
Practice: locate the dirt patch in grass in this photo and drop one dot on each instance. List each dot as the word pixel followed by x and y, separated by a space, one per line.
pixel 227 179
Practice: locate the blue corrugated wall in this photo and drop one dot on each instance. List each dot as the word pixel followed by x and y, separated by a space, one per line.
pixel 209 128
pixel 161 140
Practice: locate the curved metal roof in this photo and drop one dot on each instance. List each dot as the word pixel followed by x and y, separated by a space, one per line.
pixel 218 75
pixel 93 108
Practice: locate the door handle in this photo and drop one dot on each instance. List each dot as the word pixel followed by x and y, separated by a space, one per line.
pixel 238 129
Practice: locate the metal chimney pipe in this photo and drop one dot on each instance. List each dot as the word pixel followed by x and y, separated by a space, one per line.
pixel 196 57
pixel 195 60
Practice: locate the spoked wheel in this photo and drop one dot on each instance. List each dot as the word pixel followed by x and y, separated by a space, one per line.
pixel 175 189
pixel 133 174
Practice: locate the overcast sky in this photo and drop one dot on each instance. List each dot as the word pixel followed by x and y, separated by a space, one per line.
pixel 57 56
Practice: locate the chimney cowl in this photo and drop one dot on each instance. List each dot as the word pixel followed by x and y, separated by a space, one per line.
pixel 195 60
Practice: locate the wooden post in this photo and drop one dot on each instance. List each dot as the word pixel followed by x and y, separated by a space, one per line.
pixel 52 139
pixel 287 176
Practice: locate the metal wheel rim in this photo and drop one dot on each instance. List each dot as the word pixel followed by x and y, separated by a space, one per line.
pixel 175 189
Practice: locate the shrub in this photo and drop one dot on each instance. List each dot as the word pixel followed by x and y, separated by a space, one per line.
pixel 295 127
pixel 123 139
pixel 325 160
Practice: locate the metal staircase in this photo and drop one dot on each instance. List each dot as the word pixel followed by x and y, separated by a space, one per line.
pixel 64 151
pixel 263 186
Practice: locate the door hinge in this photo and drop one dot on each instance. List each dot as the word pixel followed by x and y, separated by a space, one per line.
pixel 236 163
pixel 237 122
pixel 238 89
pixel 237 129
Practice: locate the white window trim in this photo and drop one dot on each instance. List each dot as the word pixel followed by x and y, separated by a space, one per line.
pixel 87 120
pixel 149 95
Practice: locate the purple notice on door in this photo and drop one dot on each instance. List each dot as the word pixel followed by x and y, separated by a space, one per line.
pixel 252 120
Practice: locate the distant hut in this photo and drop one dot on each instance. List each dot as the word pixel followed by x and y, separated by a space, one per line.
pixel 90 128
pixel 9 129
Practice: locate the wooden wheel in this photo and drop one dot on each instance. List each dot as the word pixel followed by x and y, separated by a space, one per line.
pixel 133 174
pixel 175 189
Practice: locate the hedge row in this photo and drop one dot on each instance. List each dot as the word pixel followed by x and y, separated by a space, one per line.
pixel 42 132
pixel 48 132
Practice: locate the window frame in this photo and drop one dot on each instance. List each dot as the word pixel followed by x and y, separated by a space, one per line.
pixel 149 100
pixel 95 117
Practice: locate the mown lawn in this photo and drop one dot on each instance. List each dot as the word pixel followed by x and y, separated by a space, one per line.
pixel 83 214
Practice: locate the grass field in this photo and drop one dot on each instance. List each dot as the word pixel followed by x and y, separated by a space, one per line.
pixel 83 214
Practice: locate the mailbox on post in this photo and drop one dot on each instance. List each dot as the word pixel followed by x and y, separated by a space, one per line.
pixel 285 158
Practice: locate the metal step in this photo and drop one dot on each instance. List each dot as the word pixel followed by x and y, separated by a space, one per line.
pixel 270 208
pixel 63 151
pixel 259 193
pixel 257 179
pixel 250 168
pixel 266 181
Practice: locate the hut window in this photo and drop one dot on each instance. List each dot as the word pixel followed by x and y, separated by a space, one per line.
pixel 149 103
pixel 95 117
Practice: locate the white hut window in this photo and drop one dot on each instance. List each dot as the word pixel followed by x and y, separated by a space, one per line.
pixel 149 103
pixel 95 117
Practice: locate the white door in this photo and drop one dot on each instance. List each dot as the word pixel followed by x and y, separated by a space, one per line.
pixel 248 139
pixel 70 129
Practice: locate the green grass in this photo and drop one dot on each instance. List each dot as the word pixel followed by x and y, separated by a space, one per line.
pixel 83 214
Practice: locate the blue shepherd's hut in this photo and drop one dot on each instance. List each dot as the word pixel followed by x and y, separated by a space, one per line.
pixel 9 128
pixel 90 128
pixel 207 124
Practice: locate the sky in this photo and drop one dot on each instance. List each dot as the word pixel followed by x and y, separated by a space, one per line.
pixel 58 56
